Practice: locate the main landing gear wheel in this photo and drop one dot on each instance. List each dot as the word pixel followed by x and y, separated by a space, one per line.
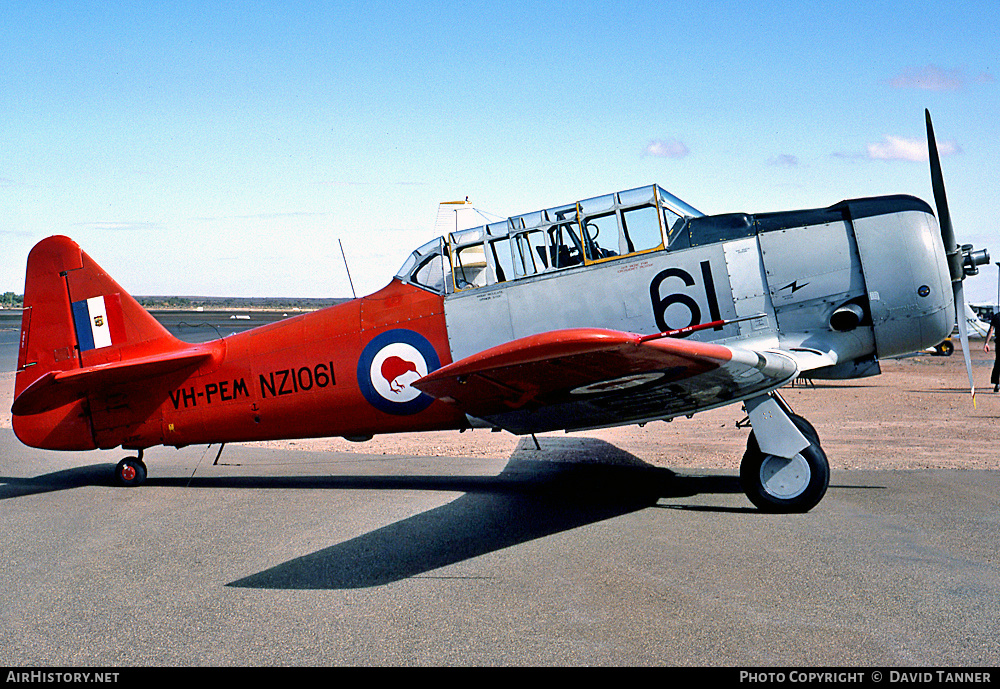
pixel 779 484
pixel 946 348
pixel 131 471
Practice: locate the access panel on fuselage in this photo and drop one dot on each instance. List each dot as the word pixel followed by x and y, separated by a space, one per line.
pixel 811 269
pixel 648 293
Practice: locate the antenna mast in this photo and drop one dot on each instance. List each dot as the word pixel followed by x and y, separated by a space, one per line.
pixel 346 267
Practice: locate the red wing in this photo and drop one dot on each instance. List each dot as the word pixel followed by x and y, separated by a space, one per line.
pixel 583 378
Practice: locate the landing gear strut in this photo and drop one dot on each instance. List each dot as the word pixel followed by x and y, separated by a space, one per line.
pixel 131 471
pixel 786 484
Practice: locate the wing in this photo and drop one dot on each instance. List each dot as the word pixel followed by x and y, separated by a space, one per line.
pixel 589 378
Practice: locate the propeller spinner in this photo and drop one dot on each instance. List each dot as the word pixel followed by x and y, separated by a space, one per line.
pixel 962 260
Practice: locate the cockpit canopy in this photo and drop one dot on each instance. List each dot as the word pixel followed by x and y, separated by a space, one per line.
pixel 592 231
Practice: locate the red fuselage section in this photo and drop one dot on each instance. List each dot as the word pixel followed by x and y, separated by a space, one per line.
pixel 301 378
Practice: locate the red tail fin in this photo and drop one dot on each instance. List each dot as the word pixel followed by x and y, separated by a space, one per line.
pixel 75 317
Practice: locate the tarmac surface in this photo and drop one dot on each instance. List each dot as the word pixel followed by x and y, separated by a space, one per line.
pixel 290 557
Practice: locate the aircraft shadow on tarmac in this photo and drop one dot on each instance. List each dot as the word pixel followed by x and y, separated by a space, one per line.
pixel 530 499
pixel 527 501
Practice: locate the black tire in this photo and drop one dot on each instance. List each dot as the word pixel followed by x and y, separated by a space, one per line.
pixel 946 348
pixel 130 472
pixel 807 429
pixel 776 484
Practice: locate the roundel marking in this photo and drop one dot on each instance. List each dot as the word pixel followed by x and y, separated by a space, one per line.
pixel 388 365
pixel 622 383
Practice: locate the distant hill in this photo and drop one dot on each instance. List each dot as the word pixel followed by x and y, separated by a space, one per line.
pixel 222 303
pixel 10 300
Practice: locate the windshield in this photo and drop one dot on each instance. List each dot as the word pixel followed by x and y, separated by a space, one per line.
pixel 682 207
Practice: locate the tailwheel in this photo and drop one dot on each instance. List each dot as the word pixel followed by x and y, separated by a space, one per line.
pixel 131 471
pixel 780 484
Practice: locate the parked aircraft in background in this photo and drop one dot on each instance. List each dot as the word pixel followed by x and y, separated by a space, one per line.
pixel 621 309
pixel 977 326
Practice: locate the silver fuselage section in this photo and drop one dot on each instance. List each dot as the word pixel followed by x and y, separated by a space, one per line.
pixel 878 264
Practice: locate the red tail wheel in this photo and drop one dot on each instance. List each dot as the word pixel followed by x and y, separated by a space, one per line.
pixel 130 472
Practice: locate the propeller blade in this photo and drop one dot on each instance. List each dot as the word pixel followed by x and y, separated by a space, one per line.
pixel 963 334
pixel 951 248
pixel 941 201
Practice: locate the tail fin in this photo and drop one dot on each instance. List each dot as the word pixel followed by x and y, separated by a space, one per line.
pixel 79 327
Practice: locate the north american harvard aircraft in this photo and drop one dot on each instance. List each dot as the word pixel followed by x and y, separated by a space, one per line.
pixel 620 309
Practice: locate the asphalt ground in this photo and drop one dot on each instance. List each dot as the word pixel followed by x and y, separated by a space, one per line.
pixel 292 558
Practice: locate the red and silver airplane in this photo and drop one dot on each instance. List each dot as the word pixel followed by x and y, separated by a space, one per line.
pixel 621 309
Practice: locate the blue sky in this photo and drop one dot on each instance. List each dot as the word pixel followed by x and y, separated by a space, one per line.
pixel 224 148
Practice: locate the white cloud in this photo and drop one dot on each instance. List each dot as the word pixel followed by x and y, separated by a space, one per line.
pixel 899 148
pixel 126 226
pixel 666 148
pixel 8 183
pixel 784 160
pixel 929 78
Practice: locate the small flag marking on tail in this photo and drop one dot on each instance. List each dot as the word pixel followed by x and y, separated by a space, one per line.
pixel 99 322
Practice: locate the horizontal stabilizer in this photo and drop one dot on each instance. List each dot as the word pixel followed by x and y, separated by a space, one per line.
pixel 56 388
